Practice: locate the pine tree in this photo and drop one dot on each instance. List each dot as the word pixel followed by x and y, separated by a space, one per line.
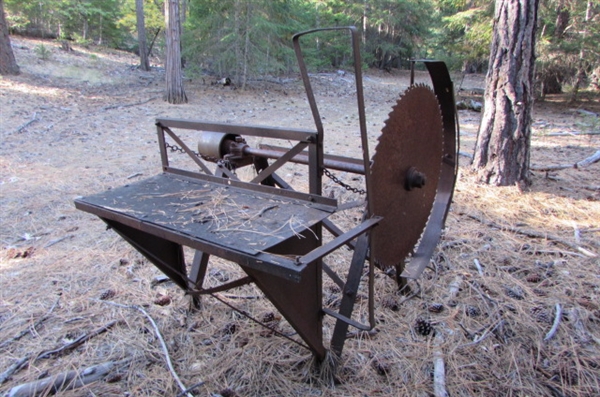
pixel 8 64
pixel 174 74
pixel 503 141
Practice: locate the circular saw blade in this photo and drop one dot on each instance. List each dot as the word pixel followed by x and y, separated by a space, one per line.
pixel 405 173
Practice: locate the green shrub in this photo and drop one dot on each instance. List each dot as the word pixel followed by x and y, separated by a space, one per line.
pixel 43 52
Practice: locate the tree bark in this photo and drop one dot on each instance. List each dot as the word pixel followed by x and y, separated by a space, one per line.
pixel 582 64
pixel 502 151
pixel 246 46
pixel 141 31
pixel 8 64
pixel 174 75
pixel 563 17
pixel 238 34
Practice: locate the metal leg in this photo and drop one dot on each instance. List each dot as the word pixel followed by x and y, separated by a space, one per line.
pixel 197 274
pixel 299 302
pixel 349 294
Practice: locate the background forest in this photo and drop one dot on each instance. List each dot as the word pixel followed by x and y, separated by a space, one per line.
pixel 248 39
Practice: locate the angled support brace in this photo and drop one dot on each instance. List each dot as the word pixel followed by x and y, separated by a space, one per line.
pixel 164 254
pixel 349 295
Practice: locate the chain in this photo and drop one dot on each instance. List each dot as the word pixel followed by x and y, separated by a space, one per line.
pixel 229 166
pixel 175 148
pixel 342 184
pixel 220 162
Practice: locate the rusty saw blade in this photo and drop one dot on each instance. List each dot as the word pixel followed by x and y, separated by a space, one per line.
pixel 405 175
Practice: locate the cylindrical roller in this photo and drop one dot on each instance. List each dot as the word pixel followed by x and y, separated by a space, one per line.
pixel 212 144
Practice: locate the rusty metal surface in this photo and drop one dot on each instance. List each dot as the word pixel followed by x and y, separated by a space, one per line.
pixel 444 91
pixel 362 121
pixel 239 219
pixel 411 144
pixel 274 235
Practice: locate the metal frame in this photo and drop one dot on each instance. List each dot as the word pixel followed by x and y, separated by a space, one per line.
pixel 290 272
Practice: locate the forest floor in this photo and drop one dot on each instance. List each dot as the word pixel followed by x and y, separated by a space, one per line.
pixel 82 122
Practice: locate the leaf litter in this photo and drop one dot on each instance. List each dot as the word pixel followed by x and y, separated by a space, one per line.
pixel 487 301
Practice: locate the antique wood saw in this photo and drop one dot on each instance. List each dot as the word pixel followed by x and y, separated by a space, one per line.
pixel 281 232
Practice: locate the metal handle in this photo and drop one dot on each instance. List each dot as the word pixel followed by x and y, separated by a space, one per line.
pixel 359 96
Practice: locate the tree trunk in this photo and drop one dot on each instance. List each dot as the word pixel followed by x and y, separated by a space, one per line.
pixel 246 46
pixel 174 75
pixel 582 64
pixel 182 18
pixel 8 64
pixel 503 141
pixel 563 17
pixel 141 31
pixel 238 33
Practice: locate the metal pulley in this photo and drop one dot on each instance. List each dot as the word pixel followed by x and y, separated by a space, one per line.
pixel 215 145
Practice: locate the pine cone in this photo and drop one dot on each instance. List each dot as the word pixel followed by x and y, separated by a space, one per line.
pixel 435 307
pixel 540 292
pixel 390 302
pixel 382 365
pixel 162 300
pixel 541 315
pixel 533 278
pixel 229 329
pixel 473 311
pixel 423 327
pixel 228 393
pixel 107 294
pixel 515 292
pixel 587 302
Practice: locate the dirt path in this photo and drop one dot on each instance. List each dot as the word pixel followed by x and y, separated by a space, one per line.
pixel 83 122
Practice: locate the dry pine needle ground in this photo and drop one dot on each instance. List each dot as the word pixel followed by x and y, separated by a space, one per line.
pixel 487 301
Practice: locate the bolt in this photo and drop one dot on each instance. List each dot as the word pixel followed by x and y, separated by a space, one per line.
pixel 414 179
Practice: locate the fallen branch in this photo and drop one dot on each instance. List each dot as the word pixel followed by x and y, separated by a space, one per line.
pixel 554 328
pixel 189 389
pixel 594 158
pixel 17 365
pixel 569 133
pixel 22 362
pixel 27 124
pixel 489 331
pixel 77 342
pixel 478 266
pixel 58 240
pixel 439 369
pixel 134 175
pixel 533 234
pixel 129 104
pixel 30 328
pixel 455 286
pixel 65 381
pixel 160 338
pixel 587 113
pixel 362 334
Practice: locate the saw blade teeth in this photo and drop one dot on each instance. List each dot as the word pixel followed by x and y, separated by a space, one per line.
pixel 418 105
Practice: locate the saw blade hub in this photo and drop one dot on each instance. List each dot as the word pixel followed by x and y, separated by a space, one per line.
pixel 414 179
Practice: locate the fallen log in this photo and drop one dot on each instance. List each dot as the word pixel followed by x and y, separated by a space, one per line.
pixel 594 158
pixel 533 234
pixel 65 381
pixel 22 362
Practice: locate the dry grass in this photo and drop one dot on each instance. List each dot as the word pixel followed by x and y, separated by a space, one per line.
pixel 493 330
